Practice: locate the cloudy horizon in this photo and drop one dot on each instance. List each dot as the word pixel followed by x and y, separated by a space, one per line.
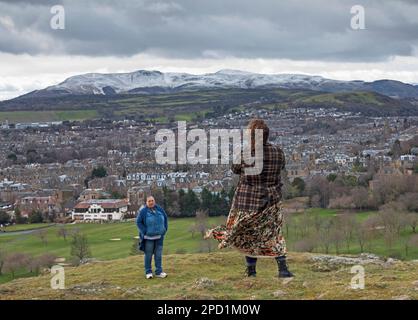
pixel 194 36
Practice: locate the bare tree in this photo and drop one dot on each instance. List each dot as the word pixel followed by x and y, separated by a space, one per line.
pixel 363 231
pixel 16 261
pixel 193 229
pixel 80 249
pixel 73 232
pixel 388 188
pixel 201 224
pixel 337 238
pixel 305 223
pixel 2 259
pixel 315 201
pixel 306 245
pixel 409 201
pixel 393 221
pixel 347 224
pixel 325 236
pixel 46 260
pixel 320 187
pixel 317 222
pixel 366 231
pixel 42 234
pixel 362 235
pixel 288 220
pixel 62 232
pixel 411 242
pixel 360 196
pixel 412 221
pixel 206 245
pixel 342 202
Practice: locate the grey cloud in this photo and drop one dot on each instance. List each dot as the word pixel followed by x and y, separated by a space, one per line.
pixel 292 29
pixel 7 87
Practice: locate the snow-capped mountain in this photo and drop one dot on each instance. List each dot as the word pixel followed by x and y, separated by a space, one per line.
pixel 144 81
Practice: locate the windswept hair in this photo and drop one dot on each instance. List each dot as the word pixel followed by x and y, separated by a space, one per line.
pixel 258 124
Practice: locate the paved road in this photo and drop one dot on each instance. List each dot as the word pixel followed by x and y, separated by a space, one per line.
pixel 9 233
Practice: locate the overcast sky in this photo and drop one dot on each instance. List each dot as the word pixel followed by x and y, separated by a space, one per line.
pixel 200 36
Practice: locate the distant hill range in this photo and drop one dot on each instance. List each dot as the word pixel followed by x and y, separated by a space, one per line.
pixel 153 95
pixel 156 82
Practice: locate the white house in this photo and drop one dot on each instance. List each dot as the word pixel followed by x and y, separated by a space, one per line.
pixel 341 159
pixel 100 210
pixel 408 157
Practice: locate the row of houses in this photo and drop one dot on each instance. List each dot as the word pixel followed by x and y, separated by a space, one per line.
pixel 172 176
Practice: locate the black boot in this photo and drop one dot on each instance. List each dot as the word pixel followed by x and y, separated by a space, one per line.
pixel 251 271
pixel 283 271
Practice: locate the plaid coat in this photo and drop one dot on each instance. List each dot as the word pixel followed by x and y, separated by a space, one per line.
pixel 256 192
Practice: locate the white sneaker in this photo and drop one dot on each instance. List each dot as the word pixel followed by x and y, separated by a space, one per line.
pixel 149 276
pixel 161 275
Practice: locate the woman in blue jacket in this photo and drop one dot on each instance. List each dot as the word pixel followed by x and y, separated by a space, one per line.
pixel 152 224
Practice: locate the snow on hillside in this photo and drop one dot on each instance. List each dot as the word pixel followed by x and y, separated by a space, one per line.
pixel 158 82
pixel 93 83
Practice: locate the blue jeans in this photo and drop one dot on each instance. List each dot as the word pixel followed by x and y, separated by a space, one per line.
pixel 152 248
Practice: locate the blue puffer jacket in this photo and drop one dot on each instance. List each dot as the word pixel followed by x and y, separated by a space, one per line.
pixel 151 224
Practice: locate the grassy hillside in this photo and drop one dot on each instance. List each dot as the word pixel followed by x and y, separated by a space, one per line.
pixel 115 241
pixel 193 104
pixel 368 98
pixel 220 275
pixel 107 241
pixel 369 103
pixel 46 116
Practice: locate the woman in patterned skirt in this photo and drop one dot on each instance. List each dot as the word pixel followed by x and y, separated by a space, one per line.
pixel 255 221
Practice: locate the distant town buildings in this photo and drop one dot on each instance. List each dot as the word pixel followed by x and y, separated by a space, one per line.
pixel 48 166
pixel 100 210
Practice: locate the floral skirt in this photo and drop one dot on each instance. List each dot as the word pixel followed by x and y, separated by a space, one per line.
pixel 256 234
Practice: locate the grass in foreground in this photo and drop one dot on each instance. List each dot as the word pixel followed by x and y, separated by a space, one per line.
pixel 124 279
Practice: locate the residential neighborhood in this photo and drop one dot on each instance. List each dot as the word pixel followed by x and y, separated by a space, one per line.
pixel 47 167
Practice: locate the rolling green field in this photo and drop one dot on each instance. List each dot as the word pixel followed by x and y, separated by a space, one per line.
pixel 99 236
pixel 190 105
pixel 45 116
pixel 179 239
pixel 376 245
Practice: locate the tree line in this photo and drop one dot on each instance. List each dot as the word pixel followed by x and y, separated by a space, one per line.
pixel 183 203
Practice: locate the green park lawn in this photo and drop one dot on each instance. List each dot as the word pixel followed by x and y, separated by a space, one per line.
pixel 100 236
pixel 179 240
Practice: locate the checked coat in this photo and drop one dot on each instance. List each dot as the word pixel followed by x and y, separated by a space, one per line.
pixel 256 192
pixel 254 224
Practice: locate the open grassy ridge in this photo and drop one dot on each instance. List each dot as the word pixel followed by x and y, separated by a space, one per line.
pixel 116 240
pixel 194 104
pixel 219 275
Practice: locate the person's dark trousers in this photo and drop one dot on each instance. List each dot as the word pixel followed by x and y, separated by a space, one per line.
pixel 251 262
pixel 153 249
